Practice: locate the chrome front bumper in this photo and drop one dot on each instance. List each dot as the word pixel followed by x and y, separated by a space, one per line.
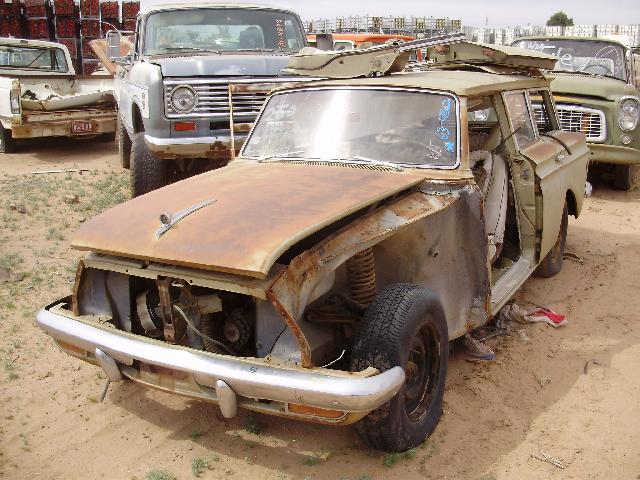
pixel 234 379
pixel 214 147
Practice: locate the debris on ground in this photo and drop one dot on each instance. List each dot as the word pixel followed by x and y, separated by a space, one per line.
pixel 545 457
pixel 574 257
pixel 71 199
pixel 512 313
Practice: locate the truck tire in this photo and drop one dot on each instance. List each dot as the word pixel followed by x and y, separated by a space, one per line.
pixel 148 172
pixel 622 178
pixel 7 143
pixel 406 326
pixel 124 145
pixel 552 263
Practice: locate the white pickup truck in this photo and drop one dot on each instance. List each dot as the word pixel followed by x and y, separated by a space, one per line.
pixel 41 96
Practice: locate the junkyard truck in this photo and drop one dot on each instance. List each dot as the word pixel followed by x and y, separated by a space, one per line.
pixel 173 89
pixel 41 96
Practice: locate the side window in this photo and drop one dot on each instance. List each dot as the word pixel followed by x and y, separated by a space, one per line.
pixel 520 118
pixel 542 110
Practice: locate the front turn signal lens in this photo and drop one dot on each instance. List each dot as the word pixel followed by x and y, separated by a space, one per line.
pixel 314 411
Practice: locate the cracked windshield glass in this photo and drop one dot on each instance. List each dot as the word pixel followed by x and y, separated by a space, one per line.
pixel 221 30
pixel 590 57
pixel 401 127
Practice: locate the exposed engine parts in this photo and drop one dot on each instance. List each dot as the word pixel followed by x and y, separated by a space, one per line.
pixel 361 274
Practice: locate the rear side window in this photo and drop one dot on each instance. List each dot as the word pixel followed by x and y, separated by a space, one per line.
pixel 520 118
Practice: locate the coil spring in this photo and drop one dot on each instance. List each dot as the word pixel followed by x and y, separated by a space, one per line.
pixel 362 277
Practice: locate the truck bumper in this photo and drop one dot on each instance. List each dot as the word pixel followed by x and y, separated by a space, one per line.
pixel 614 154
pixel 320 395
pixel 215 148
pixel 61 129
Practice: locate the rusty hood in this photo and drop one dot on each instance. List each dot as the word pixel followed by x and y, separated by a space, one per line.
pixel 257 212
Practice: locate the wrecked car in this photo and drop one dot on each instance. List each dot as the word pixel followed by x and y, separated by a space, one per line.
pixel 597 93
pixel 321 275
pixel 41 96
pixel 172 89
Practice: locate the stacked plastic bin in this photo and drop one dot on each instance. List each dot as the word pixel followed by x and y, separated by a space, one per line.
pixel 38 19
pixel 110 14
pixel 10 21
pixel 129 14
pixel 66 26
pixel 89 30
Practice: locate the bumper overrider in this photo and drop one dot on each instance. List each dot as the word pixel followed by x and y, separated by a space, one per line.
pixel 258 384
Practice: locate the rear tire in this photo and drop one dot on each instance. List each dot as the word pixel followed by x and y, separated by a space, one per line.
pixel 124 145
pixel 148 173
pixel 406 326
pixel 7 143
pixel 552 263
pixel 622 177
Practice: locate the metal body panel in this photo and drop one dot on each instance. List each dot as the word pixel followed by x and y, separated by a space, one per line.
pixel 249 226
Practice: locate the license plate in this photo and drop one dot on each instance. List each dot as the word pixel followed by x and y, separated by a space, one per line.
pixel 81 126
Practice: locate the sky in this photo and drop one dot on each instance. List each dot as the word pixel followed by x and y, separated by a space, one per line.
pixel 497 13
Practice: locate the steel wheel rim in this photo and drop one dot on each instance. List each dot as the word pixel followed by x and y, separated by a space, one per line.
pixel 422 370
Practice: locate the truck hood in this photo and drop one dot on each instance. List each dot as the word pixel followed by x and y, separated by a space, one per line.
pixel 588 86
pixel 258 211
pixel 227 65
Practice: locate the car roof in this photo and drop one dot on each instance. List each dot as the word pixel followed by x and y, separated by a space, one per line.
pixel 189 6
pixel 580 39
pixel 460 82
pixel 28 43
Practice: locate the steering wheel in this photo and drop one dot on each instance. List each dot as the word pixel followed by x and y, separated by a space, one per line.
pixel 593 62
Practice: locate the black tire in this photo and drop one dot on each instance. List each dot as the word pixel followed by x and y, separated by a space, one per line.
pixel 622 178
pixel 552 263
pixel 7 143
pixel 107 137
pixel 148 173
pixel 404 322
pixel 124 145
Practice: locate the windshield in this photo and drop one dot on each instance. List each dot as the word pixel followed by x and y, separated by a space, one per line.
pixel 221 30
pixel 32 58
pixel 377 125
pixel 592 57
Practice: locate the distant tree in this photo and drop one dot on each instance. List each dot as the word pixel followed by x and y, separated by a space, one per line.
pixel 560 19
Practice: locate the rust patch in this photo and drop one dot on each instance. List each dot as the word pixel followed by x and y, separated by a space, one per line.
pixel 76 287
pixel 303 344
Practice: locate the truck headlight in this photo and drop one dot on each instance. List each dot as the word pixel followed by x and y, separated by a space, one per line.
pixel 183 99
pixel 629 113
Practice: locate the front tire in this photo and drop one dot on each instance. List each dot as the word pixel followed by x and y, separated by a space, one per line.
pixel 148 173
pixel 124 145
pixel 7 143
pixel 622 177
pixel 552 263
pixel 406 326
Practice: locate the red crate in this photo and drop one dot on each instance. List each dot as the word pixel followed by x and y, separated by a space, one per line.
pixel 89 66
pixel 129 25
pixel 90 8
pixel 35 8
pixel 109 24
pixel 90 28
pixel 10 27
pixel 66 27
pixel 71 44
pixel 110 9
pixel 64 7
pixel 38 28
pixel 87 51
pixel 130 9
pixel 9 9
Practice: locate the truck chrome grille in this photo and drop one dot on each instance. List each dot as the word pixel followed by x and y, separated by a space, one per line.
pixel 573 118
pixel 213 99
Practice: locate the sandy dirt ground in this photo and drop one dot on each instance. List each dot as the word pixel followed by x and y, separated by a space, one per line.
pixel 572 393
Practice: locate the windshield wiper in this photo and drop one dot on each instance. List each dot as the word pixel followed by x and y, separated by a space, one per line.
pixel 373 161
pixel 190 49
pixel 280 156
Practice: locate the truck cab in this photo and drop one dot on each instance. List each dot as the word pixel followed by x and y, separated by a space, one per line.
pixel 596 88
pixel 173 89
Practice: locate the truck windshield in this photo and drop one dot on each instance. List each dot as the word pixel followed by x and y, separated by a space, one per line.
pixel 593 57
pixel 218 29
pixel 32 58
pixel 356 124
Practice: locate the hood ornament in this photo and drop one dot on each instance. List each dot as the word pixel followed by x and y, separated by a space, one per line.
pixel 168 220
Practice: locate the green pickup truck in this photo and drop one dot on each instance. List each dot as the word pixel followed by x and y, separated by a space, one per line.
pixel 596 89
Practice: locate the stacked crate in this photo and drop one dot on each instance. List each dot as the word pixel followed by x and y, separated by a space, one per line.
pixel 66 26
pixel 89 30
pixel 110 15
pixel 129 13
pixel 10 24
pixel 38 19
